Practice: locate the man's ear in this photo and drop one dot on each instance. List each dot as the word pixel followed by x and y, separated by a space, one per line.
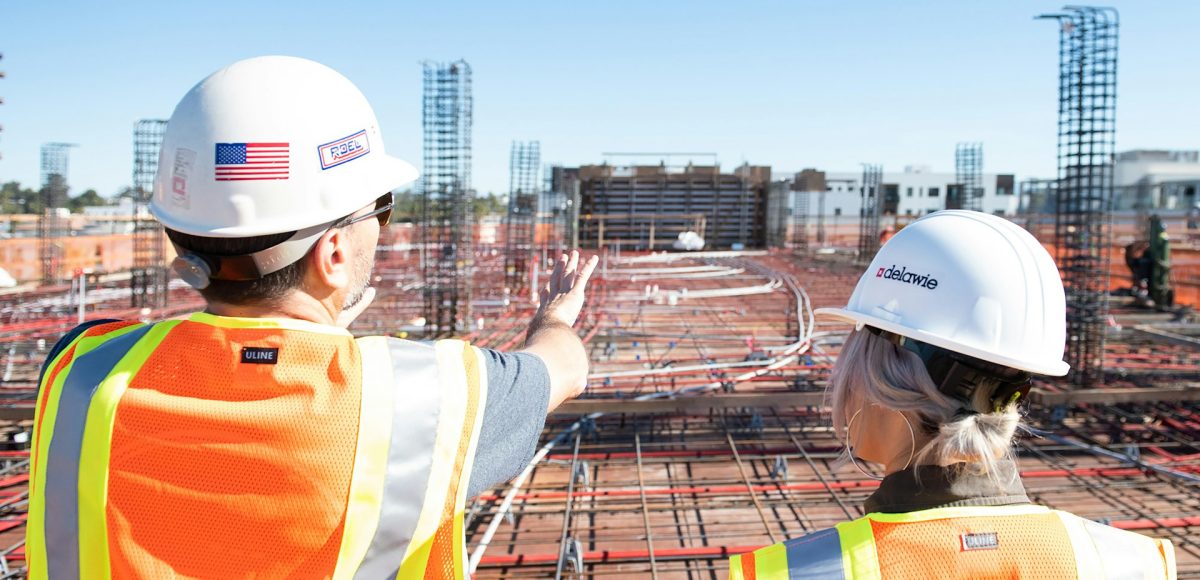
pixel 330 265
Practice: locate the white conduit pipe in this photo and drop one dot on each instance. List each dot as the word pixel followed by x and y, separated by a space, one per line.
pixel 689 275
pixel 668 270
pixel 671 257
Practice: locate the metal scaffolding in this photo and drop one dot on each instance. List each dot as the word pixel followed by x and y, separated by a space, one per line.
pixel 800 220
pixel 520 223
pixel 446 214
pixel 871 194
pixel 564 188
pixel 1 101
pixel 52 223
pixel 968 173
pixel 1087 105
pixel 148 282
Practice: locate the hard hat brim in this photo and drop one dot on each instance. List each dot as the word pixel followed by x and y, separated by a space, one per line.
pixel 398 173
pixel 1054 369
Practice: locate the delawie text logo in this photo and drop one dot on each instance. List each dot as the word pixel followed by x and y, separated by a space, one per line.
pixel 902 274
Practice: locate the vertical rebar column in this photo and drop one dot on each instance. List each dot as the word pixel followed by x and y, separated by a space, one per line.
pixel 1087 104
pixel 520 227
pixel 52 224
pixel 868 216
pixel 968 170
pixel 566 182
pixel 1 100
pixel 447 222
pixel 148 282
pixel 821 218
pixel 800 220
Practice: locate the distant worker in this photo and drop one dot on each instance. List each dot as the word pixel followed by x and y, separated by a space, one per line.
pixel 259 439
pixel 1141 266
pixel 1149 263
pixel 952 319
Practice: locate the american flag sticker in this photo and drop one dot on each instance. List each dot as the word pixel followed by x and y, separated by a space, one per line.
pixel 251 161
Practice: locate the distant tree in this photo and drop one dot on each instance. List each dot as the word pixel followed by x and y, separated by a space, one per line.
pixel 407 206
pixel 17 199
pixel 488 204
pixel 88 198
pixel 126 192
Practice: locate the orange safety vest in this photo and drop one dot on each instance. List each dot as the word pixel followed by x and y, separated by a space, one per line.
pixel 262 448
pixel 1024 541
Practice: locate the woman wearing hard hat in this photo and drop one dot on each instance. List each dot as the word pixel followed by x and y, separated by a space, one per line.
pixel 954 316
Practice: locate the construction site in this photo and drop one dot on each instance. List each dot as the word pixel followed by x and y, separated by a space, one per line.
pixel 704 431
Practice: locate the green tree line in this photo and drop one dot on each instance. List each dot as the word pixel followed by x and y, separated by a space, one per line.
pixel 408 206
pixel 17 199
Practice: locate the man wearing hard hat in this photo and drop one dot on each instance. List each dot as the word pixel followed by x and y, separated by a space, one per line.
pixel 259 439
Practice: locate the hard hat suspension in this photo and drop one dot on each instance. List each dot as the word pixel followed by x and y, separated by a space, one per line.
pixel 199 268
pixel 960 376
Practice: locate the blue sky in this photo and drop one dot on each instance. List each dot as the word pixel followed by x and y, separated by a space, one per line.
pixel 826 84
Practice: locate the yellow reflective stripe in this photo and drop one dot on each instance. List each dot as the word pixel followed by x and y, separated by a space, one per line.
pixel 959 512
pixel 452 381
pixel 370 457
pixel 477 388
pixel 288 323
pixel 859 560
pixel 1087 558
pixel 770 563
pixel 35 547
pixel 735 568
pixel 1168 552
pixel 97 445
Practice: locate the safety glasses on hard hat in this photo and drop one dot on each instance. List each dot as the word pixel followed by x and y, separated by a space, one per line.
pixel 382 212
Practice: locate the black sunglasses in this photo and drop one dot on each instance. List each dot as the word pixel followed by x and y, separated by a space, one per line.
pixel 382 212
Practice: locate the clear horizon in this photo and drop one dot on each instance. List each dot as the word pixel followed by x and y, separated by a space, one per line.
pixel 787 84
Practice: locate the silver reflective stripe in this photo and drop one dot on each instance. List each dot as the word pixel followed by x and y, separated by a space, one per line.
pixel 62 458
pixel 410 456
pixel 1123 555
pixel 815 556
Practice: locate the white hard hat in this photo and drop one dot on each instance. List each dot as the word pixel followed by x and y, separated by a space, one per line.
pixel 270 145
pixel 970 283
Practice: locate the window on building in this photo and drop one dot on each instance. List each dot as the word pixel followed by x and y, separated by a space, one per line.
pixel 908 193
pixel 908 212
pixel 837 211
pixel 933 192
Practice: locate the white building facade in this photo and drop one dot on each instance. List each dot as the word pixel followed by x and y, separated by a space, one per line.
pixel 1163 179
pixel 914 192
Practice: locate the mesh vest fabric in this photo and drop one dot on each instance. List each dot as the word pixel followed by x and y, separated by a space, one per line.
pixel 204 464
pixel 969 542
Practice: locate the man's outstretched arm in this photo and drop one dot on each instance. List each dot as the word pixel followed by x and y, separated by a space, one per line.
pixel 552 336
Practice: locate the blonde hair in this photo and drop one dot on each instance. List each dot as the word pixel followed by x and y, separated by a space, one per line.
pixel 875 371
